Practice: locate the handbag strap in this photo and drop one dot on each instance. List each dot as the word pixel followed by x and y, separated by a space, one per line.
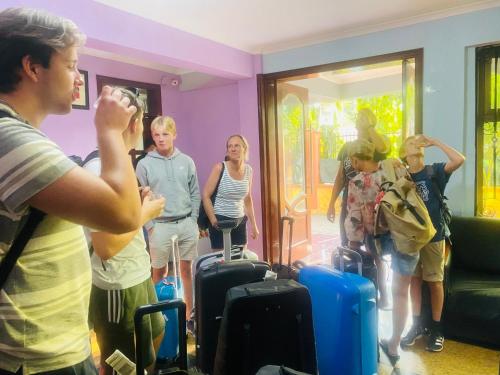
pixel 34 218
pixel 214 194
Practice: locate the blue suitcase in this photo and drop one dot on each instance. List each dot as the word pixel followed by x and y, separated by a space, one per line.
pixel 345 320
pixel 170 288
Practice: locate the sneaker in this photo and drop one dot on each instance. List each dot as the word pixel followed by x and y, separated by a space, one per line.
pixel 413 335
pixel 435 343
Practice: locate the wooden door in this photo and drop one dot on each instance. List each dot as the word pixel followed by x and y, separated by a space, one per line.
pixel 294 159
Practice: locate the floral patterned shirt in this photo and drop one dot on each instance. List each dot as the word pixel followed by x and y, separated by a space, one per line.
pixel 363 190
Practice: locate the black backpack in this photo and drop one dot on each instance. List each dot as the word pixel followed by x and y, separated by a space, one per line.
pixel 445 210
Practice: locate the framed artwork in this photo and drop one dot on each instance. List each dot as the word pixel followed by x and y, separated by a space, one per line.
pixel 83 101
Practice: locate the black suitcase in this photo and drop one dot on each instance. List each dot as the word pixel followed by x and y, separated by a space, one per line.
pixel 278 370
pixel 211 284
pixel 264 323
pixel 351 263
pixel 180 364
pixel 290 270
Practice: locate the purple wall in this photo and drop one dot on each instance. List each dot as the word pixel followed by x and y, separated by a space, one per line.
pixel 112 30
pixel 205 117
pixel 75 132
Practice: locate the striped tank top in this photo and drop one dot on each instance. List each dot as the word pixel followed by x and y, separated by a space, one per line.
pixel 229 200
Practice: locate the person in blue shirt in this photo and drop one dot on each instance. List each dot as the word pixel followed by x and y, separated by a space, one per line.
pixel 430 268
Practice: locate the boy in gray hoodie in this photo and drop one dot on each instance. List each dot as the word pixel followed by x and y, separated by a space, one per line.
pixel 169 172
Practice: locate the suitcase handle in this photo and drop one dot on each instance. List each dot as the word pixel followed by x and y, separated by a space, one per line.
pixel 341 250
pixel 290 220
pixel 156 307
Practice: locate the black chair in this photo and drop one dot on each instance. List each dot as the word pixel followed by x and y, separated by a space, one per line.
pixel 472 281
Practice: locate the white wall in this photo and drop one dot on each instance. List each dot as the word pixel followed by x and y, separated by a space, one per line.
pixel 448 99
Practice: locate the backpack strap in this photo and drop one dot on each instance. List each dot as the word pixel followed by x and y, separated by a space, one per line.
pixel 35 216
pixel 429 170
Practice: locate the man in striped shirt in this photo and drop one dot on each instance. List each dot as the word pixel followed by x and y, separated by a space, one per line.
pixel 44 302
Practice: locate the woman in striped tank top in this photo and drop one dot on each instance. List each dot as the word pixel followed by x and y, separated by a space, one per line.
pixel 234 194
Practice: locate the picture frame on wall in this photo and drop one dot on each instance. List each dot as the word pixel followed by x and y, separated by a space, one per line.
pixel 83 101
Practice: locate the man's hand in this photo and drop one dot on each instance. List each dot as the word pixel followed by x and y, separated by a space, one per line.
pixel 113 111
pixel 425 141
pixel 152 207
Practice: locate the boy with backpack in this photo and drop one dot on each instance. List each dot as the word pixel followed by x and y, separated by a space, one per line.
pixel 430 182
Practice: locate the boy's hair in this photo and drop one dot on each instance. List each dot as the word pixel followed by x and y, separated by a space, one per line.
pixel 135 101
pixel 402 149
pixel 165 122
pixel 32 32
pixel 243 140
pixel 361 149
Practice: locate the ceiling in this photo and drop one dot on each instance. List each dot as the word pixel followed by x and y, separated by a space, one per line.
pixel 264 26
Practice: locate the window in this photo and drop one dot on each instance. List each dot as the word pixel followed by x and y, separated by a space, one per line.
pixel 488 131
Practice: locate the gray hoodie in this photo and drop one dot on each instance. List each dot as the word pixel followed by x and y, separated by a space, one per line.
pixel 173 177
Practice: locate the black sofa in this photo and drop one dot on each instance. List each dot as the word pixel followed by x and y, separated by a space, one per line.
pixel 472 281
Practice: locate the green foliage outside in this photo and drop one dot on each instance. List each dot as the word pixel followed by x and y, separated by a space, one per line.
pixel 387 108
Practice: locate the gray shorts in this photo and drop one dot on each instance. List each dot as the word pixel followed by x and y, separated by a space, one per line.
pixel 160 241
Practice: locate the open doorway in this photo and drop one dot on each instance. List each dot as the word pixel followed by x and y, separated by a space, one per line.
pixel 308 116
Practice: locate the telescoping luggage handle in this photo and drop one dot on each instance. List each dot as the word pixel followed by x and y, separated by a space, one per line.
pixel 226 226
pixel 290 220
pixel 156 307
pixel 176 257
pixel 340 251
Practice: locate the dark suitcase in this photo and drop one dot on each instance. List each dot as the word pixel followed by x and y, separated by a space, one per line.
pixel 211 284
pixel 264 323
pixel 290 270
pixel 278 370
pixel 180 362
pixel 351 265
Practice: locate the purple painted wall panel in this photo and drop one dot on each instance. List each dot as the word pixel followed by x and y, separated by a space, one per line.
pixel 209 117
pixel 116 31
pixel 75 132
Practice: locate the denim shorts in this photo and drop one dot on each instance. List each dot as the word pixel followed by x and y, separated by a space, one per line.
pixel 403 264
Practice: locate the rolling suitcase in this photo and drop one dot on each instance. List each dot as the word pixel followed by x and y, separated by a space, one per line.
pixel 278 370
pixel 211 284
pixel 351 263
pixel 237 253
pixel 170 288
pixel 345 319
pixel 180 365
pixel 291 270
pixel 268 322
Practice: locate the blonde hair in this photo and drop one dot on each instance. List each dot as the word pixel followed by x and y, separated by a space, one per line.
pixel 369 115
pixel 135 101
pixel 243 140
pixel 164 122
pixel 402 149
pixel 361 149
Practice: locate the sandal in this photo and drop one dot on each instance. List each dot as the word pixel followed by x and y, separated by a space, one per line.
pixel 393 358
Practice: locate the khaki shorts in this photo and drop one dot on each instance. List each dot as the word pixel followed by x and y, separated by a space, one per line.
pixel 112 315
pixel 160 242
pixel 431 264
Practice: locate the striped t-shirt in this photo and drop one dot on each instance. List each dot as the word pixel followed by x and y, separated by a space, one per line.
pixel 231 193
pixel 44 302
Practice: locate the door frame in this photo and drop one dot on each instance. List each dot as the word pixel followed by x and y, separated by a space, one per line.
pixel 267 85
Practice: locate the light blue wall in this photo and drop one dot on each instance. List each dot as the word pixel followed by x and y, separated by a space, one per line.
pixel 448 99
